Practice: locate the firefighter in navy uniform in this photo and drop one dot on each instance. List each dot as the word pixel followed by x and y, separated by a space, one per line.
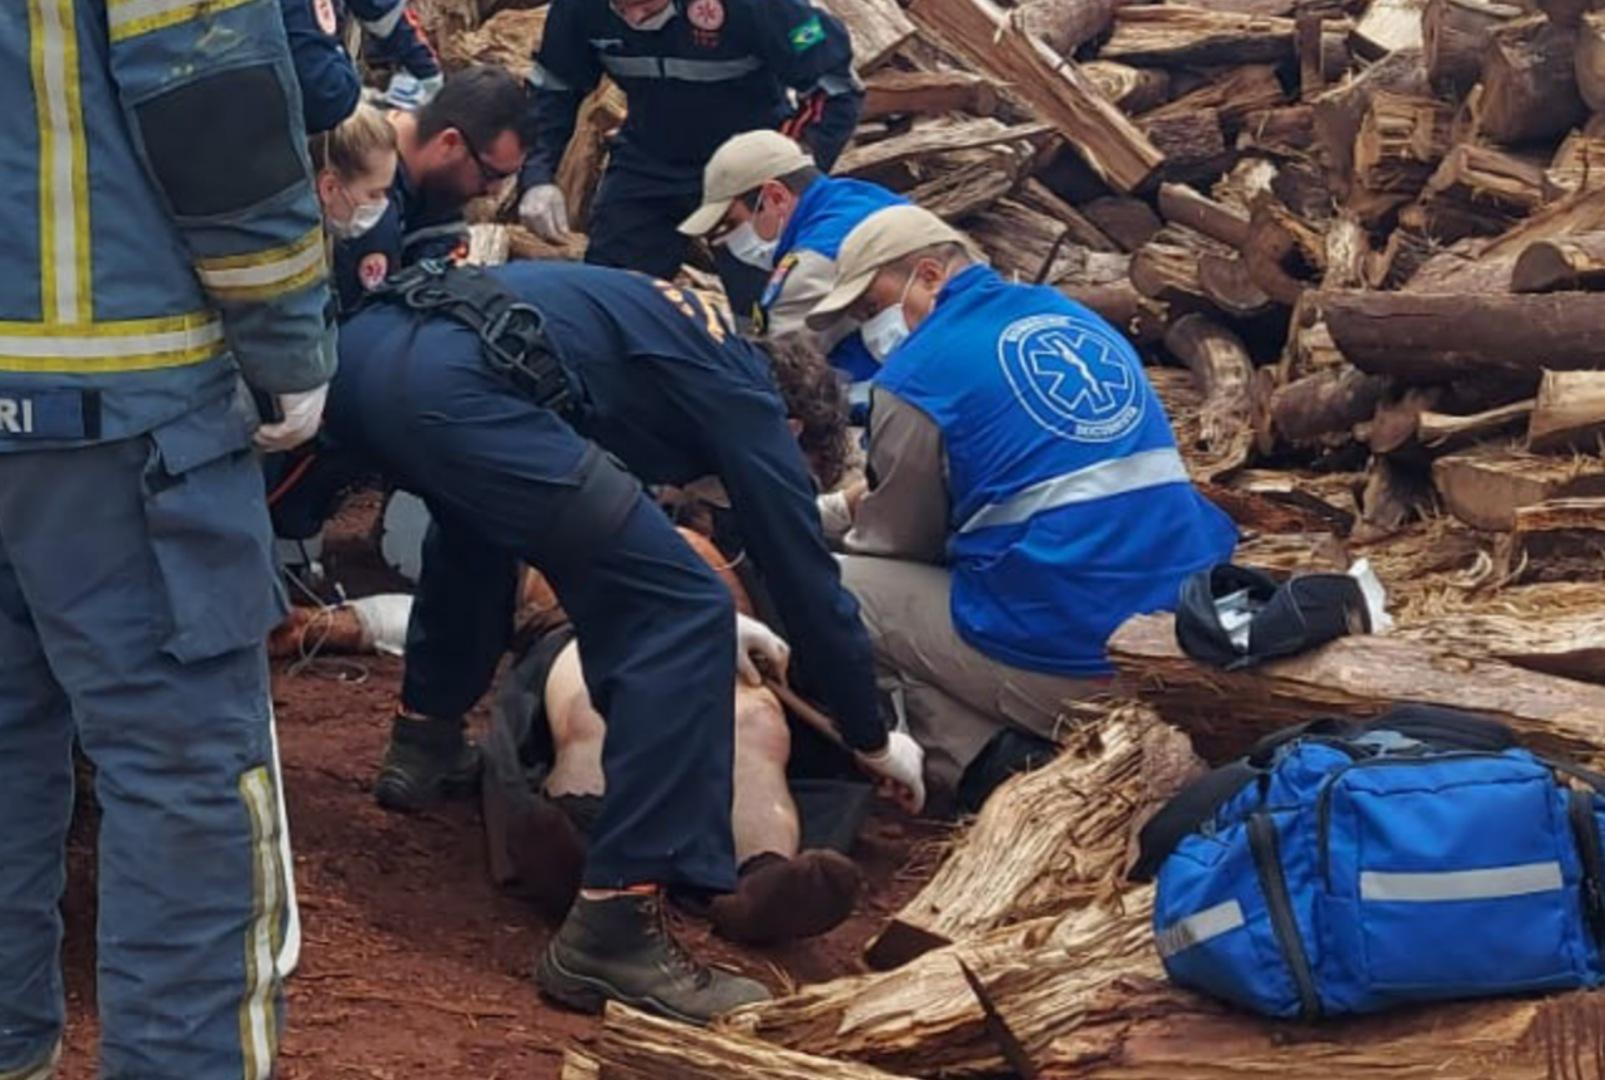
pixel 330 84
pixel 163 241
pixel 497 438
pixel 695 72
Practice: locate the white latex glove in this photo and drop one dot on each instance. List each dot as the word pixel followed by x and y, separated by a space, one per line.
pixel 407 91
pixel 754 639
pixel 835 515
pixel 303 413
pixel 900 767
pixel 544 213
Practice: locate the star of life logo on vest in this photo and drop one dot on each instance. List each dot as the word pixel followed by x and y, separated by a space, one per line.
pixel 1073 376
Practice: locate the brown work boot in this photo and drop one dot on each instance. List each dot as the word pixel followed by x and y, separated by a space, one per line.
pixel 780 899
pixel 620 949
pixel 547 846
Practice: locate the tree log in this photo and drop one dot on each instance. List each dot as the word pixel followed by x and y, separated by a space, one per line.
pixel 933 136
pixel 878 28
pixel 1178 35
pixel 1455 33
pixel 1224 371
pixel 1570 645
pixel 1401 142
pixel 1129 222
pixel 1225 280
pixel 1569 412
pixel 1398 262
pixel 968 189
pixel 1340 111
pixel 1047 841
pixel 1065 25
pixel 1387 27
pixel 1485 485
pixel 1477 190
pixel 1589 60
pixel 1226 712
pixel 1287 132
pixel 1561 265
pixel 927 93
pixel 1118 301
pixel 1054 88
pixel 1233 94
pixel 1136 90
pixel 1579 213
pixel 1283 253
pixel 1193 144
pixel 1429 337
pixel 1166 268
pixel 1024 242
pixel 1182 205
pixel 635 1046
pixel 1437 429
pixel 1578 166
pixel 1321 408
pixel 1529 82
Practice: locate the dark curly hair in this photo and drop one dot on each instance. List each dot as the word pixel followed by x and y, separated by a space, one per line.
pixel 815 398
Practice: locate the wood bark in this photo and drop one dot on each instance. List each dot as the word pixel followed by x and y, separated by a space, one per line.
pixel 1430 337
pixel 1226 712
pixel 1568 412
pixel 878 28
pixel 1065 25
pixel 1340 111
pixel 1321 407
pixel 1047 841
pixel 931 137
pixel 1225 280
pixel 1024 242
pixel 1399 260
pixel 1579 213
pixel 1529 82
pixel 1193 144
pixel 1286 132
pixel 1454 35
pixel 1566 13
pixel 1578 166
pixel 1233 94
pixel 1477 190
pixel 927 93
pixel 1054 88
pixel 1387 27
pixel 1224 371
pixel 1129 222
pixel 1183 205
pixel 1570 645
pixel 1589 60
pixel 1401 142
pixel 632 1045
pixel 970 188
pixel 1283 253
pixel 1178 35
pixel 1562 264
pixel 1117 301
pixel 1166 268
pixel 1134 89
pixel 1437 429
pixel 1078 225
pixel 1485 485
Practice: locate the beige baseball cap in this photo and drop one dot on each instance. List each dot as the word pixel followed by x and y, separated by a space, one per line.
pixel 741 164
pixel 883 237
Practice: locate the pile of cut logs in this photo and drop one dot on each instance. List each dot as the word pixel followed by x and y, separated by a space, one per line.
pixel 1357 244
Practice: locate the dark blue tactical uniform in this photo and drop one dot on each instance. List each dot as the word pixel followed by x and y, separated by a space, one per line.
pixel 330 85
pixel 414 227
pixel 667 388
pixel 717 68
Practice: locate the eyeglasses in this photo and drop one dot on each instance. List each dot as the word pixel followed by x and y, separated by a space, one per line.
pixel 489 174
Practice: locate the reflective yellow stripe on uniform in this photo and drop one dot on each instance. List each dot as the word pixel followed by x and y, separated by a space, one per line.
pixel 130 18
pixel 131 345
pixel 258 1024
pixel 263 275
pixel 63 163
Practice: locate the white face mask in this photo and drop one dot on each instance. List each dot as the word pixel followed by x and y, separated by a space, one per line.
pixel 364 216
pixel 886 329
pixel 651 22
pixel 744 243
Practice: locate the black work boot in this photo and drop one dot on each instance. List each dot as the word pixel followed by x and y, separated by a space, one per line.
pixel 621 949
pixel 428 760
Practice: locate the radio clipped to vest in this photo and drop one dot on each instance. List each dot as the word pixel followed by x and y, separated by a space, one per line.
pixel 512 334
pixel 1349 868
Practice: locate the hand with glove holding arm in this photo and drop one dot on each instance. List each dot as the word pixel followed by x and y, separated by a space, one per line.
pixel 300 415
pixel 899 770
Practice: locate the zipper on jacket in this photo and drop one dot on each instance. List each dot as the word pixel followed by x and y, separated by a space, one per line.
pixel 1585 830
pixel 1268 864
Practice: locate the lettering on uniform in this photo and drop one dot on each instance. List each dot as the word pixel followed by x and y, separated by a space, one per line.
pixel 1074 375
pixel 324 10
pixel 707 19
pixel 16 416
pixel 373 269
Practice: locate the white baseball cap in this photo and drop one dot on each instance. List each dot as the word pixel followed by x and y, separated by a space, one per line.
pixel 883 237
pixel 741 164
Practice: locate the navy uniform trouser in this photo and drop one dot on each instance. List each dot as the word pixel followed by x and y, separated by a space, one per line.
pixel 634 224
pixel 136 590
pixel 507 481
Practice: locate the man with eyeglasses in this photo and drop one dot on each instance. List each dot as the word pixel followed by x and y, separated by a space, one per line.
pixel 470 138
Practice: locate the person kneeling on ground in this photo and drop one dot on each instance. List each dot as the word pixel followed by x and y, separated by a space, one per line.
pixel 1025 492
pixel 782 893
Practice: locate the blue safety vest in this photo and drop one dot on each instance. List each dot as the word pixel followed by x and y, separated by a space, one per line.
pixel 827 211
pixel 1070 508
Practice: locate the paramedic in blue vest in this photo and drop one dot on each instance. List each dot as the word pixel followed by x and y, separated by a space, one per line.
pixel 657 378
pixel 766 202
pixel 1025 492
pixel 330 83
pixel 468 141
pixel 695 72
pixel 162 243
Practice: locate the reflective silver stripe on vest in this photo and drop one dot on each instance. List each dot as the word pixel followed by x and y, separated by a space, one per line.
pixel 386 24
pixel 542 79
pixel 1146 469
pixel 705 71
pixel 1490 884
pixel 1199 927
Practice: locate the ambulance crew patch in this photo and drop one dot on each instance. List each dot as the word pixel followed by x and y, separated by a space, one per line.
pixel 1073 376
pixel 807 35
pixel 324 10
pixel 372 270
pixel 706 15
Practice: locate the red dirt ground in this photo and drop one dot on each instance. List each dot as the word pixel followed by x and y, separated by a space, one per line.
pixel 414 965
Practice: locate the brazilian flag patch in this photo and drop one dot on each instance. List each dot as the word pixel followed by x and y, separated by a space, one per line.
pixel 807 35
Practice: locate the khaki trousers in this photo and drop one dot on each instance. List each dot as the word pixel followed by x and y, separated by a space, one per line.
pixel 955 696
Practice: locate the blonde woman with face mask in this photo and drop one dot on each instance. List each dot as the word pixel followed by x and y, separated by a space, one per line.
pixel 355 164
